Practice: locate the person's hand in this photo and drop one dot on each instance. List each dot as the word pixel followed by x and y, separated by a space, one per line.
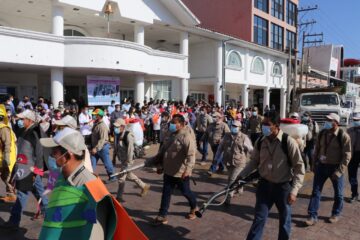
pixel 291 198
pixel 185 175
pixel 93 151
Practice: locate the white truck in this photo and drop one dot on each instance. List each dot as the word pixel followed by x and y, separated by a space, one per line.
pixel 323 101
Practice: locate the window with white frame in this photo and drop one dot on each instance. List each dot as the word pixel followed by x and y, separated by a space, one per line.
pixel 277 69
pixel 198 96
pixel 258 66
pixel 73 33
pixel 162 90
pixel 127 93
pixel 234 59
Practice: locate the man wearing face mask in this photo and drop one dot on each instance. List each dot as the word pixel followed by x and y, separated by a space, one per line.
pixel 215 132
pixel 203 120
pixel 254 125
pixel 354 133
pixel 100 144
pixel 310 139
pixel 125 153
pixel 85 123
pixel 29 169
pixel 25 103
pixel 176 159
pixel 236 148
pixel 332 155
pixel 278 159
pixel 80 205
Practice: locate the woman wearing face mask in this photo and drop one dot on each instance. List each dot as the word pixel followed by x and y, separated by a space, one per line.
pixel 235 148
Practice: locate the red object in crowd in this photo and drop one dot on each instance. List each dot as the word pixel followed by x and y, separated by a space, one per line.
pixel 290 121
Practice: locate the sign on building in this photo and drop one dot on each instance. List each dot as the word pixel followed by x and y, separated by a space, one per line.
pixel 101 90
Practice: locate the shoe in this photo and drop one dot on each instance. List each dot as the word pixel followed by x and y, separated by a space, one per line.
pixel 354 199
pixel 210 173
pixel 220 171
pixel 9 226
pixel 228 201
pixel 145 190
pixel 160 220
pixel 8 198
pixel 202 163
pixel 334 219
pixel 311 221
pixel 192 215
pixel 110 180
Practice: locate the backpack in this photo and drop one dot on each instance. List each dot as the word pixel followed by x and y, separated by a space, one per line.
pixel 139 151
pixel 284 146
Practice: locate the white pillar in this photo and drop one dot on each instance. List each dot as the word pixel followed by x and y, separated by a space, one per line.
pixel 282 102
pixel 184 49
pixel 57 86
pixel 219 76
pixel 57 20
pixel 266 100
pixel 245 95
pixel 140 89
pixel 139 34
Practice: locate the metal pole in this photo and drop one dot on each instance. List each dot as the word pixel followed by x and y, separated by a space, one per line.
pixel 302 61
pixel 307 68
pixel 288 81
pixel 293 107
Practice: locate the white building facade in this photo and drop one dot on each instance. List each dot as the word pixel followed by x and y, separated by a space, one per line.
pixel 48 48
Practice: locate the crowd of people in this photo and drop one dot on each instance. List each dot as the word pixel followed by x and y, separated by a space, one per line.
pixel 67 142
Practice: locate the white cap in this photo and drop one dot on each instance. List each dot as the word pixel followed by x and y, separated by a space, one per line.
pixel 333 116
pixel 67 138
pixel 294 115
pixel 28 114
pixel 356 116
pixel 67 121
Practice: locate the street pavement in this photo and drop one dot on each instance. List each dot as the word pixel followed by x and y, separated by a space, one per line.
pixel 221 222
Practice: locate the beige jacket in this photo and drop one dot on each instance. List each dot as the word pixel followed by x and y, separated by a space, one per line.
pixel 215 132
pixel 100 135
pixel 273 165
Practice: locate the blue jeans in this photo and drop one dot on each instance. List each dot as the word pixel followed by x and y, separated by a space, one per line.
pixel 22 198
pixel 353 169
pixel 308 152
pixel 216 162
pixel 322 173
pixel 105 157
pixel 169 185
pixel 204 148
pixel 267 195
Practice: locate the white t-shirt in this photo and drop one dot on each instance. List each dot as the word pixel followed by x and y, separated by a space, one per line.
pixel 85 127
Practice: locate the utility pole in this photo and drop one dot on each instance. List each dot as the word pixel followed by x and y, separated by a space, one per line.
pixel 307 57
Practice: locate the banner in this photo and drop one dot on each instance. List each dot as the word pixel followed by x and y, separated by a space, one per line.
pixel 101 90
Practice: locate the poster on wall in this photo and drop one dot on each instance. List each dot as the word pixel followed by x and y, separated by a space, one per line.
pixel 101 90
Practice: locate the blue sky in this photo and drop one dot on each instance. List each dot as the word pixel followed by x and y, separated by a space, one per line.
pixel 339 20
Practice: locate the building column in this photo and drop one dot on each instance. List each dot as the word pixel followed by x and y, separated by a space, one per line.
pixel 57 86
pixel 282 102
pixel 245 95
pixel 57 20
pixel 219 73
pixel 184 50
pixel 266 100
pixel 139 34
pixel 140 89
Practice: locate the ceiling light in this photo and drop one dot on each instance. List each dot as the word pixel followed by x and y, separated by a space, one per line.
pixel 76 9
pixel 19 11
pixel 43 15
pixel 161 41
pixel 31 2
pixel 132 21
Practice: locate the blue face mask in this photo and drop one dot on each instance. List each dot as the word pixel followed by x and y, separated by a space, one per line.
pixel 305 119
pixel 266 130
pixel 254 114
pixel 356 123
pixel 328 125
pixel 172 127
pixel 117 130
pixel 52 164
pixel 234 130
pixel 20 123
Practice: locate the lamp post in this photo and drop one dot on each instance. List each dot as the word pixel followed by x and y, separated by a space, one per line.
pixel 108 12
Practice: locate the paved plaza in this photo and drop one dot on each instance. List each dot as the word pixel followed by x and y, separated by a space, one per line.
pixel 218 222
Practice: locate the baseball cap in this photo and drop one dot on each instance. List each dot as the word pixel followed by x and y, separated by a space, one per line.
pixel 67 138
pixel 28 114
pixel 294 115
pixel 356 116
pixel 333 116
pixel 67 121
pixel 236 123
pixel 119 122
pixel 99 112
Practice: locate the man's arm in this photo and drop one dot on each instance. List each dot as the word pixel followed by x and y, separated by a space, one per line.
pixel 190 150
pixel 6 140
pixel 346 155
pixel 103 134
pixel 297 164
pixel 253 163
pixel 130 148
